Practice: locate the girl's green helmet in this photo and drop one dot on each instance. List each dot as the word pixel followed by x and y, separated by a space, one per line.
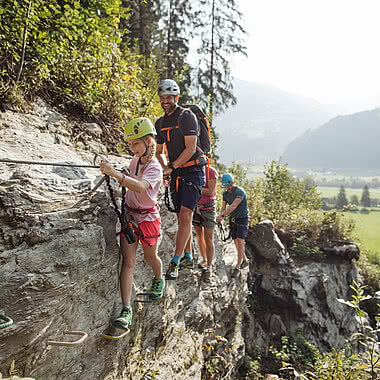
pixel 138 128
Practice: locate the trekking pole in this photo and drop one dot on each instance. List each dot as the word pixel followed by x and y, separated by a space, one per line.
pixel 24 162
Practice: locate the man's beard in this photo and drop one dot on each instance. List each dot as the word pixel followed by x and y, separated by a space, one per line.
pixel 171 108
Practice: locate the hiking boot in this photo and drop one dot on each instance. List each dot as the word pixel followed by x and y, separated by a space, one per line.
pixel 185 263
pixel 157 289
pixel 172 272
pixel 235 273
pixel 244 264
pixel 206 275
pixel 125 319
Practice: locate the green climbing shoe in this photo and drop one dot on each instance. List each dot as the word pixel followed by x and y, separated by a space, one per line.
pixel 157 289
pixel 125 319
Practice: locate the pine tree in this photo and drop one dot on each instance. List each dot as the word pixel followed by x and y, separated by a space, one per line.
pixel 140 25
pixel 221 36
pixel 341 200
pixel 171 40
pixel 365 199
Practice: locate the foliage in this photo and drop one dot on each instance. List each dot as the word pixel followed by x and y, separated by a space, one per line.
pixel 216 354
pixel 361 358
pixel 354 200
pixel 293 206
pixel 221 35
pixel 75 54
pixel 365 199
pixel 341 200
pixel 297 350
pixel 284 194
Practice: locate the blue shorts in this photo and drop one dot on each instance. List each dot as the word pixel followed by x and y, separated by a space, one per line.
pixel 186 186
pixel 239 227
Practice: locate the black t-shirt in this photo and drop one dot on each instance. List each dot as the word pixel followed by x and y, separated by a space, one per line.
pixel 174 138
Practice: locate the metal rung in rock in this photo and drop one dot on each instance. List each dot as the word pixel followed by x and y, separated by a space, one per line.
pixel 116 337
pixel 69 344
pixel 144 298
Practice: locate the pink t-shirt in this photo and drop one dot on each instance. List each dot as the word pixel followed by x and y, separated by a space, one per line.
pixel 147 199
pixel 212 174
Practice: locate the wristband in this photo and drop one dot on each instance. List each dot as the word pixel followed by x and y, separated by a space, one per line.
pixel 124 176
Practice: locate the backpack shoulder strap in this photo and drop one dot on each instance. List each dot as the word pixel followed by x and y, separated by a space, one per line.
pixel 181 114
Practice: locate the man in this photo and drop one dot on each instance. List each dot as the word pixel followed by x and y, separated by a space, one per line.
pixel 237 210
pixel 184 166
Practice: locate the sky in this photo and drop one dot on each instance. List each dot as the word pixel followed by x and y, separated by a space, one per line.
pixel 327 50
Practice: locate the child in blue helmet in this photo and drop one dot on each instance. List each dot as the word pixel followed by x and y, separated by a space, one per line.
pixel 236 199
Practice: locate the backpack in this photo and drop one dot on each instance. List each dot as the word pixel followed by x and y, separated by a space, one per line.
pixel 204 133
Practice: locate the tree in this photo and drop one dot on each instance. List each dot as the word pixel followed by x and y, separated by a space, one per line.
pixel 365 200
pixel 221 36
pixel 355 200
pixel 309 183
pixel 341 200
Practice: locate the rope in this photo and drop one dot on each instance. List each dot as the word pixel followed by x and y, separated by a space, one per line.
pixel 6 160
pixel 126 229
pixel 8 321
pixel 171 205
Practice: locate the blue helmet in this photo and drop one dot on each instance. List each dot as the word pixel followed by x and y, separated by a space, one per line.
pixel 227 180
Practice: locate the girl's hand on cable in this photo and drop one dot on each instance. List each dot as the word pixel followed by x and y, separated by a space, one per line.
pixel 106 168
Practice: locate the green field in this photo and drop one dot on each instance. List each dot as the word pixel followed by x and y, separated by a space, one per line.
pixel 367 229
pixel 329 192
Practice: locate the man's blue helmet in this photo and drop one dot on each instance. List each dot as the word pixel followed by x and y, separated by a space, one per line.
pixel 227 180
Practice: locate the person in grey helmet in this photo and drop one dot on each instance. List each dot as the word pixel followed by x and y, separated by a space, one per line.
pixel 178 130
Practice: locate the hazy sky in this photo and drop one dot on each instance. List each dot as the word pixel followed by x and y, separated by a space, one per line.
pixel 328 50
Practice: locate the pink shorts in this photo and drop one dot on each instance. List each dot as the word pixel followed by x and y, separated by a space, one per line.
pixel 151 231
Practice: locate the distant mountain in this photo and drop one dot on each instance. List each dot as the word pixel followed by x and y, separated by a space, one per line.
pixel 345 142
pixel 264 121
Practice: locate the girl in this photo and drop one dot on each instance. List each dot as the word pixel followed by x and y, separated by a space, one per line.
pixel 143 184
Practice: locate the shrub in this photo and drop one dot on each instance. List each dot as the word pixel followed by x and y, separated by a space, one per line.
pixel 73 53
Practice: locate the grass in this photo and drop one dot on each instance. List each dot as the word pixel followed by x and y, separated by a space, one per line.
pixel 329 192
pixel 367 229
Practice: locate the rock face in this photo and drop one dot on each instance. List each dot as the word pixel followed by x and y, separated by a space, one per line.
pixel 59 273
pixel 298 295
pixel 59 266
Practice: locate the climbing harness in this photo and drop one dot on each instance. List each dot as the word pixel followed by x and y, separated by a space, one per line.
pixel 172 200
pixel 126 226
pixel 198 218
pixel 6 160
pixel 8 321
pixel 83 337
pixel 224 234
